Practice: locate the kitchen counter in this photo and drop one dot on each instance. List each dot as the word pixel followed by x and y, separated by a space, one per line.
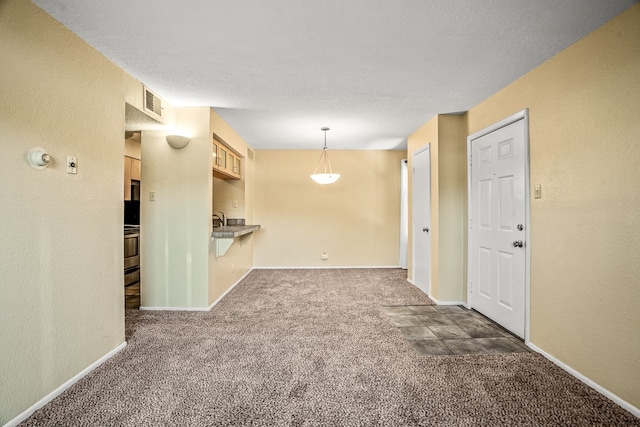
pixel 224 236
pixel 231 231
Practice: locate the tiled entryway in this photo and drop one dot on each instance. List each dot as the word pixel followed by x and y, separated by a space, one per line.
pixel 447 329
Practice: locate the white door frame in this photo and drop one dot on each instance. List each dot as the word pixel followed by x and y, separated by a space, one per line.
pixel 524 114
pixel 427 146
pixel 404 213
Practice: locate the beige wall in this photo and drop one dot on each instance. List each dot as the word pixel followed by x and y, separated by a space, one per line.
pixel 226 270
pixel 175 228
pixel 446 134
pixel 585 230
pixel 62 305
pixel 356 220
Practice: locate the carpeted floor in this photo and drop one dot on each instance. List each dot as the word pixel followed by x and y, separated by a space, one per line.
pixel 315 348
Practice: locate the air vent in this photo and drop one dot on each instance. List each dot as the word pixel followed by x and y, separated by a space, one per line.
pixel 250 153
pixel 152 104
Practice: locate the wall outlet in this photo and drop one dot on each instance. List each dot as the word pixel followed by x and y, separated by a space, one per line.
pixel 324 256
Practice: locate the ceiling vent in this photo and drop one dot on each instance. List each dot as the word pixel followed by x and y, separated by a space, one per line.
pixel 152 104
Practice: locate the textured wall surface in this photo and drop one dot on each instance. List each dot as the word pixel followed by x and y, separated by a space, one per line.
pixel 226 270
pixel 585 230
pixel 446 134
pixel 175 227
pixel 356 220
pixel 61 256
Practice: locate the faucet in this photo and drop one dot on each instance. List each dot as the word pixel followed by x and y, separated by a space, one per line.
pixel 222 218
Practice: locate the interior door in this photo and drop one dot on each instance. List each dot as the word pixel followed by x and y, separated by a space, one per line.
pixel 421 215
pixel 497 276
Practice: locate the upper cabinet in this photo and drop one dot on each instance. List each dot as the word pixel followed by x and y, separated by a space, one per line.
pixel 227 163
pixel 131 173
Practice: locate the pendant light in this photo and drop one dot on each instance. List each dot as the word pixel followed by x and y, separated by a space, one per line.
pixel 327 176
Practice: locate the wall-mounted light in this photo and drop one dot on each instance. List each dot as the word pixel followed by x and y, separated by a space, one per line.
pixel 38 158
pixel 177 141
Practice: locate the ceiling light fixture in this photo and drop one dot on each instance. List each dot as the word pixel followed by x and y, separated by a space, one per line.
pixel 327 176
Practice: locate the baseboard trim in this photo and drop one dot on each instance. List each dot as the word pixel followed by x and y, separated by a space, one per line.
pixel 224 294
pixel 151 308
pixel 198 308
pixel 446 302
pixel 328 267
pixel 55 393
pixel 626 405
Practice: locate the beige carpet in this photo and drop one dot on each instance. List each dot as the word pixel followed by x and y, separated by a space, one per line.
pixel 314 348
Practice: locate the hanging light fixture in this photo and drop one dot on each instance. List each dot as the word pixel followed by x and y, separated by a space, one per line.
pixel 327 176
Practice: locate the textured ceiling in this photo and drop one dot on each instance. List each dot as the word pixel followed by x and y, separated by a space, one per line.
pixel 372 70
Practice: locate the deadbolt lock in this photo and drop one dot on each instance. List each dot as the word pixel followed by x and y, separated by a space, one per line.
pixel 520 227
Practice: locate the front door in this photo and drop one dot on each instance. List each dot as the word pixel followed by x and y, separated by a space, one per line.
pixel 421 216
pixel 497 223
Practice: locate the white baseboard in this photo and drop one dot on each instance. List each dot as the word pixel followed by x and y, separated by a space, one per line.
pixel 230 289
pixel 151 308
pixel 55 393
pixel 327 267
pixel 198 308
pixel 626 405
pixel 447 302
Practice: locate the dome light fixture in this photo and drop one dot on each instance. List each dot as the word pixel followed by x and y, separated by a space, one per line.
pixel 327 176
pixel 177 142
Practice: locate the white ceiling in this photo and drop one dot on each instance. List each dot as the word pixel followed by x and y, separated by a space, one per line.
pixel 372 70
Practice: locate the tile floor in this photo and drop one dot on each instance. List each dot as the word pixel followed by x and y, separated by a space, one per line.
pixel 451 329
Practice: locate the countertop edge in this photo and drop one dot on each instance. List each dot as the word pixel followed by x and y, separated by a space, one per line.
pixel 231 232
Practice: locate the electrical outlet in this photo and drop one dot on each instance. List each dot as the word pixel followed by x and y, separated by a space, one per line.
pixel 72 165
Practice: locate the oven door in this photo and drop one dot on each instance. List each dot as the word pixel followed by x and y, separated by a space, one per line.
pixel 131 250
pixel 131 276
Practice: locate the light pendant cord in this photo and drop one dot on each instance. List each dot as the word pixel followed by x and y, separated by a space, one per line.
pixel 324 156
pixel 327 176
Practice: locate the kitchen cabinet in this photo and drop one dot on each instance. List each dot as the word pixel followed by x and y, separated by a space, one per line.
pixel 131 173
pixel 135 169
pixel 227 163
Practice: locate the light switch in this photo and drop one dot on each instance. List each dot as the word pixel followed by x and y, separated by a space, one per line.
pixel 152 196
pixel 234 203
pixel 537 191
pixel 72 165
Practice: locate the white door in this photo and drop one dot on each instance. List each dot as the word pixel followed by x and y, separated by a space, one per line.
pixel 497 225
pixel 421 215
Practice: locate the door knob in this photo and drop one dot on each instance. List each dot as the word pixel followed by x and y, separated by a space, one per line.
pixel 426 229
pixel 518 244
